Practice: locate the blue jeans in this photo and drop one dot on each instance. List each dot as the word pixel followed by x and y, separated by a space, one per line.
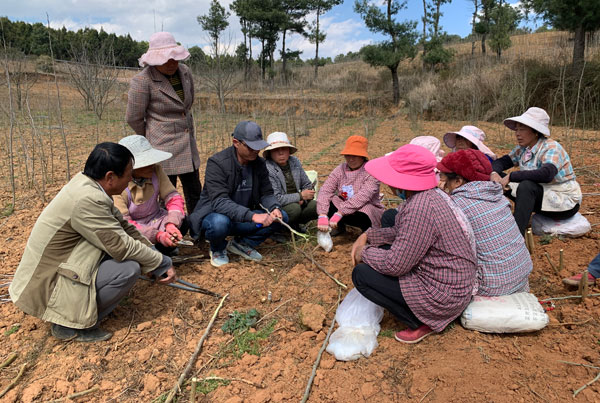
pixel 217 227
pixel 594 267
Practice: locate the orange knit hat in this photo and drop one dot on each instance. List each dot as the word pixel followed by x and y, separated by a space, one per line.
pixel 356 145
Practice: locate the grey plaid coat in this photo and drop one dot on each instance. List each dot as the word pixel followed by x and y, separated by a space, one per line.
pixel 278 180
pixel 155 110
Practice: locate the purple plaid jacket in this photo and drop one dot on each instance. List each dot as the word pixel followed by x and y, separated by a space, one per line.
pixel 155 110
pixel 503 260
pixel 431 255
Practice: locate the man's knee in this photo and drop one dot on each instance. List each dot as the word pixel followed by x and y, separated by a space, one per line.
pixel 129 269
pixel 216 225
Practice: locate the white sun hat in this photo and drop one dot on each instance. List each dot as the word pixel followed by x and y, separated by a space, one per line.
pixel 143 152
pixel 536 118
pixel 278 140
pixel 472 133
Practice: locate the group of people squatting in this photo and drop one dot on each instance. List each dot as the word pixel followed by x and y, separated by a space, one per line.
pixel 453 236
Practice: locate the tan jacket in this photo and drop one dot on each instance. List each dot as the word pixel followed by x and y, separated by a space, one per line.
pixel 55 280
pixel 155 110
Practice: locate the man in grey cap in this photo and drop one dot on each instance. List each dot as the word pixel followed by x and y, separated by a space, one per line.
pixel 236 183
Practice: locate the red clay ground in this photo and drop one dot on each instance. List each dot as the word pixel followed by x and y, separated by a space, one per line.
pixel 157 328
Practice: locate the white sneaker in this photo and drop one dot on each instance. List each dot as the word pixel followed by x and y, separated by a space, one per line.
pixel 217 258
pixel 243 250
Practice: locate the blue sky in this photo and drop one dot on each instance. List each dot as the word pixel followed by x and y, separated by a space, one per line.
pixel 345 30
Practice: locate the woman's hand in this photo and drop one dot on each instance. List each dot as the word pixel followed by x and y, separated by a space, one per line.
pixel 323 223
pixel 335 219
pixel 357 249
pixel 173 231
pixel 495 177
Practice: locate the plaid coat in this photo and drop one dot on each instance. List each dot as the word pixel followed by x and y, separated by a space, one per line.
pixel 155 110
pixel 431 254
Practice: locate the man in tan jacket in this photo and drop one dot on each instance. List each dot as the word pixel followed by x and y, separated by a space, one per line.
pixel 82 257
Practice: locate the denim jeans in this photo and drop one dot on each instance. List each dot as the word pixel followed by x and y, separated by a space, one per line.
pixel 594 267
pixel 217 227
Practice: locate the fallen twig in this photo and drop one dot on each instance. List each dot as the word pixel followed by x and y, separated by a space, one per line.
pixel 218 378
pixel 579 365
pixel 274 310
pixel 312 259
pixel 429 391
pixel 279 220
pixel 9 360
pixel 533 392
pixel 126 333
pixel 318 360
pixel 194 356
pixel 571 323
pixel 568 297
pixel 550 261
pixel 76 395
pixel 586 385
pixel 14 381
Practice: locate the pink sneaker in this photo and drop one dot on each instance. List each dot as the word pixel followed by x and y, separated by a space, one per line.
pixel 413 335
pixel 574 280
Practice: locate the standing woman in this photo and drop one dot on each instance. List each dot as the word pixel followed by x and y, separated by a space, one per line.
pixel 545 182
pixel 159 107
pixel 350 195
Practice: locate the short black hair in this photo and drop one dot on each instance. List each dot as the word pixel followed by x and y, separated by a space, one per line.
pixel 106 157
pixel 454 175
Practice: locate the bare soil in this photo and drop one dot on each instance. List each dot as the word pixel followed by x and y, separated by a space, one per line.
pixel 156 328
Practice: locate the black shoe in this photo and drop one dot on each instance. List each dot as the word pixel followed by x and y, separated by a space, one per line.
pixel 91 335
pixel 63 332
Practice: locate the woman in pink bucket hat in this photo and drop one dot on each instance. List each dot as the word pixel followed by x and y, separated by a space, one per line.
pixel 423 268
pixel 545 182
pixel 159 106
pixel 468 137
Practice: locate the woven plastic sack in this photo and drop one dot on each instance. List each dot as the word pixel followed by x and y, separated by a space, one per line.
pixel 358 320
pixel 324 240
pixel 573 227
pixel 515 313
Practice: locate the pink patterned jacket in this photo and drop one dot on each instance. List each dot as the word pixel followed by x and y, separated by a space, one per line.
pixel 351 191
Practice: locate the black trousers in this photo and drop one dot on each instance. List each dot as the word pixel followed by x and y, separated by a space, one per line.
pixel 357 219
pixel 192 188
pixel 388 219
pixel 529 200
pixel 384 291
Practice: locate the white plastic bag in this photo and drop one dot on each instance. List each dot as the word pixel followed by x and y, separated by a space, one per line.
pixel 358 320
pixel 324 240
pixel 573 227
pixel 515 313
pixel 313 177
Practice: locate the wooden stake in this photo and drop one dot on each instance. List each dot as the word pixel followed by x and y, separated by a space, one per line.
pixel 583 285
pixel 527 242
pixel 194 356
pixel 551 264
pixel 561 260
pixel 312 259
pixel 193 390
pixel 73 396
pixel 531 243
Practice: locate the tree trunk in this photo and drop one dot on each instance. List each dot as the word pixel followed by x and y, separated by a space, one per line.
pixel 483 43
pixel 424 27
pixel 579 47
pixel 317 46
pixel 475 2
pixel 262 59
pixel 437 19
pixel 395 84
pixel 283 57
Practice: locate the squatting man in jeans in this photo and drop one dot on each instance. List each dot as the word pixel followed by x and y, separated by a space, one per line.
pixel 82 257
pixel 236 185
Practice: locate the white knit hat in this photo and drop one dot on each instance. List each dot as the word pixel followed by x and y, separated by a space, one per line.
pixel 142 151
pixel 536 118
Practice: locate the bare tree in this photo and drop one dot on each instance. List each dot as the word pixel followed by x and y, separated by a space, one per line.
pixel 21 79
pixel 94 75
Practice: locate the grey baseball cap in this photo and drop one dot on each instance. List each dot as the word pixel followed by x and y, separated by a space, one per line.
pixel 251 134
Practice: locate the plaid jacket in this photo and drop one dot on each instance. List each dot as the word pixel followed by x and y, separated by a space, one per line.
pixel 545 151
pixel 155 110
pixel 431 255
pixel 278 180
pixel 364 197
pixel 503 261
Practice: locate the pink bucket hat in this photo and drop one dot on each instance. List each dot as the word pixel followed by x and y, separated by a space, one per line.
pixel 430 143
pixel 472 133
pixel 410 167
pixel 162 48
pixel 536 118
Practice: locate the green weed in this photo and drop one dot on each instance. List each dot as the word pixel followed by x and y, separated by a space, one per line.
pixel 389 333
pixel 239 321
pixel 546 239
pixel 8 210
pixel 208 385
pixel 12 330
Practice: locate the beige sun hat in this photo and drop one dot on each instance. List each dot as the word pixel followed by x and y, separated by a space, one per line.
pixel 534 117
pixel 142 151
pixel 472 133
pixel 162 48
pixel 278 140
